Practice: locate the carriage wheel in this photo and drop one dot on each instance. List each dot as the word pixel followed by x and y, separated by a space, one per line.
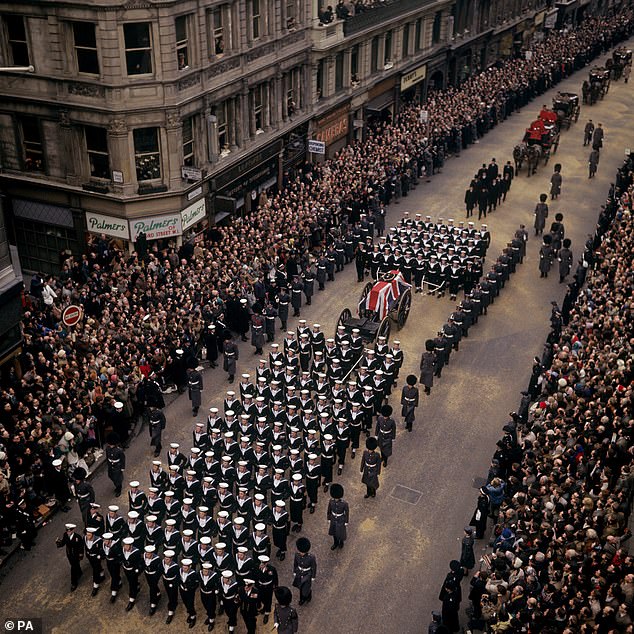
pixel 555 145
pixel 404 306
pixel 346 316
pixel 546 156
pixel 384 329
pixel 364 293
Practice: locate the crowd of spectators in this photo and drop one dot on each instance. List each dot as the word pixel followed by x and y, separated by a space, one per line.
pixel 141 307
pixel 560 484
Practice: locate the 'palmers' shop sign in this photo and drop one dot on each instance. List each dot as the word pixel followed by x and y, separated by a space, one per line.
pixel 156 227
pixel 111 226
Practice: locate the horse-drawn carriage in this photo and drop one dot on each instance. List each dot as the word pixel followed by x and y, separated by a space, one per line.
pixel 387 300
pixel 597 85
pixel 621 57
pixel 566 105
pixel 538 143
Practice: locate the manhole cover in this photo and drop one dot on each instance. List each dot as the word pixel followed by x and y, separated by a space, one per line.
pixel 411 496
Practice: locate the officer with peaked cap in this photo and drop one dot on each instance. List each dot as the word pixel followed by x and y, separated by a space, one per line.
pixel 74 552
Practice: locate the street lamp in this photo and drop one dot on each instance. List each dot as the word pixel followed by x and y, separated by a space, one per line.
pixel 17 69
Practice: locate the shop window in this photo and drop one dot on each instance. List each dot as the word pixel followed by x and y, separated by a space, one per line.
pixel 16 38
pixel 85 44
pixel 219 30
pixel 405 49
pixel 182 44
pixel 435 33
pixel 339 71
pixel 418 35
pixel 138 48
pixel 97 149
pixel 32 144
pixel 147 154
pixel 188 141
pixel 374 55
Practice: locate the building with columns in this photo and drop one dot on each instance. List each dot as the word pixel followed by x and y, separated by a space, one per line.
pixel 161 117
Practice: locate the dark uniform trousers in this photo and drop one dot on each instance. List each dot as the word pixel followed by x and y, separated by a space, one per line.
pixel 208 599
pixel 170 583
pixel 132 570
pixel 230 603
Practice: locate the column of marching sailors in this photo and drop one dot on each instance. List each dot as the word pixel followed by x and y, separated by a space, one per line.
pixel 212 516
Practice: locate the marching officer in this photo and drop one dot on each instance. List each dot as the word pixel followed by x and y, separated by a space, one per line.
pixel 385 432
pixel 297 502
pixel 116 462
pixel 304 570
pixel 84 492
pixel 409 402
pixel 266 581
pixel 297 289
pixel 338 515
pixel 249 601
pixel 370 467
pixel 231 354
pixel 156 425
pixel 285 616
pixel 195 385
pixel 74 552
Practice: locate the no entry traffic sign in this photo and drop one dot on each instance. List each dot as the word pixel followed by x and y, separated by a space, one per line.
pixel 71 315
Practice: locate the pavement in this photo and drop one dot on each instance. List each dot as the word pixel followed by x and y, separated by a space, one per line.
pixel 388 576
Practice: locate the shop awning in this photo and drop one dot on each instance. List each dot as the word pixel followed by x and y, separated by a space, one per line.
pixel 380 103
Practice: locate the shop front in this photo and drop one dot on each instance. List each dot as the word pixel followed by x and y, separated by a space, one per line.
pixel 380 106
pixel 194 219
pixel 332 129
pixel 237 189
pixel 413 84
pixel 167 229
pixel 45 234
pixel 110 226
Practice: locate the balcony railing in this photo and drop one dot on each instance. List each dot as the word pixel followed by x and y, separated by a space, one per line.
pixel 378 15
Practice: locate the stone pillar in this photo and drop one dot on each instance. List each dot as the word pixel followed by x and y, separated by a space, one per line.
pixel 121 153
pixel 329 76
pixel 245 113
pixel 172 160
pixel 381 55
pixel 279 99
pixel 211 137
pixel 233 125
pixel 70 157
pixel 475 15
pixel 347 54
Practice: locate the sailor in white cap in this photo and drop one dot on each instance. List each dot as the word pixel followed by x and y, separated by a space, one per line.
pixel 170 573
pixel 152 569
pixel 94 554
pixel 229 595
pixel 132 565
pixel 135 528
pixel 175 456
pixel 74 552
pixel 188 580
pixel 266 579
pixel 209 586
pixel 137 500
pixel 156 425
pixel 327 460
pixel 297 502
pixel 281 525
pixel 113 555
pixel 244 564
pixel 313 478
pixel 158 475
pixel 115 524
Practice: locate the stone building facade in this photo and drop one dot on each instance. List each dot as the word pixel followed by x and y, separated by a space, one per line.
pixel 162 117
